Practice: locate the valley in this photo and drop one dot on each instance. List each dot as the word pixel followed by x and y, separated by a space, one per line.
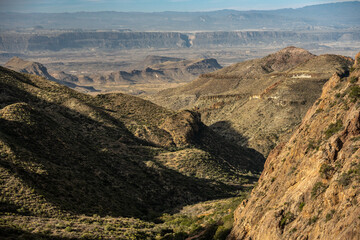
pixel 202 125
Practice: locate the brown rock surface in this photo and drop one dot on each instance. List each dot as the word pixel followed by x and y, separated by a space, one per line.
pixel 310 186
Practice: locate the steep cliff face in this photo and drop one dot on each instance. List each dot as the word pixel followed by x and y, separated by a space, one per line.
pixel 56 41
pixel 310 186
pixel 82 40
pixel 258 103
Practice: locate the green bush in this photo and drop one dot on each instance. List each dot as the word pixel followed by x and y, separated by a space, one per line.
pixel 353 79
pixel 313 220
pixel 354 93
pixel 333 128
pixel 326 171
pixel 345 179
pixel 286 219
pixel 318 188
pixel 329 215
pixel 221 233
pixel 301 206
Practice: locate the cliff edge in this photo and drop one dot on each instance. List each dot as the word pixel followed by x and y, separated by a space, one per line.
pixel 310 186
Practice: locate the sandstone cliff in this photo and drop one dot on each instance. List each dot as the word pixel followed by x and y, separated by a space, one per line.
pixel 84 40
pixel 310 186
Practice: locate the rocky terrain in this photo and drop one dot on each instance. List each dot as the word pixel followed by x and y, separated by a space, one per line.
pixel 309 188
pixel 258 103
pixel 20 65
pixel 156 69
pixel 165 72
pixel 71 162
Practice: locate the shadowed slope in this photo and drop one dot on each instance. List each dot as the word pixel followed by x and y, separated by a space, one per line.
pixel 63 151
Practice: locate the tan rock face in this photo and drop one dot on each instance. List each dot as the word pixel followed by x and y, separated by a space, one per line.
pixel 310 186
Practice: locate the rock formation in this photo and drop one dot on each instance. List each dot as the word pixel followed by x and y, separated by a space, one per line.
pixel 310 186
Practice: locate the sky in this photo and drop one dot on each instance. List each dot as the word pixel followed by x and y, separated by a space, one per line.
pixel 53 6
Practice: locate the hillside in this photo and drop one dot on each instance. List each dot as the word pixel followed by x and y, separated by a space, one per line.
pixel 160 71
pixel 23 66
pixel 258 103
pixel 309 188
pixel 20 65
pixel 68 156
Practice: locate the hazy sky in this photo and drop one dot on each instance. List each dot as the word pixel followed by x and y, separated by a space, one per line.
pixel 149 5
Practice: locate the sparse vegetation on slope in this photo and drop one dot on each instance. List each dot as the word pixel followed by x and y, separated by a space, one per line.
pixel 326 180
pixel 258 103
pixel 73 165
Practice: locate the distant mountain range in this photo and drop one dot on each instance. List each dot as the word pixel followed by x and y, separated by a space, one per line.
pixel 332 15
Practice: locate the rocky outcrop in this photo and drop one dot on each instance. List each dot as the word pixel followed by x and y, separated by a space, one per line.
pixel 183 127
pixel 309 188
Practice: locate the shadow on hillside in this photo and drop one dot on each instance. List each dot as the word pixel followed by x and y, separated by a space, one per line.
pixel 225 129
pixel 92 167
pixel 230 143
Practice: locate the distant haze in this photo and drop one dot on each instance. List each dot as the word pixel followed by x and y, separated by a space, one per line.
pixel 56 6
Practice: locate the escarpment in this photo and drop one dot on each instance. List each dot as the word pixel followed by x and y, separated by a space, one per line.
pixel 310 186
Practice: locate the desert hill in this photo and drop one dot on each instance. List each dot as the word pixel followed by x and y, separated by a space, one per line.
pixel 155 69
pixel 20 65
pixel 257 103
pixel 309 188
pixel 66 154
pixel 23 66
pixel 161 70
pixel 154 59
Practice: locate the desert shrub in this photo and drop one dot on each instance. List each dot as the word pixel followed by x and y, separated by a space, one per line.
pixel 68 229
pixel 286 219
pixel 333 128
pixel 345 179
pixel 329 215
pixel 354 93
pixel 301 206
pixel 326 170
pixel 313 220
pixel 353 79
pixel 221 233
pixel 318 188
pixel 312 145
